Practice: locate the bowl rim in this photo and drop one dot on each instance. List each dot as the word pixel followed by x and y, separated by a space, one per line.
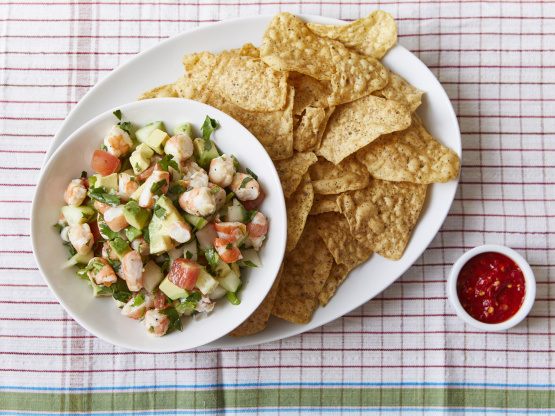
pixel 529 279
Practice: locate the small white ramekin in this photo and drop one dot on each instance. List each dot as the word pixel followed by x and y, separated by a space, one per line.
pixel 529 279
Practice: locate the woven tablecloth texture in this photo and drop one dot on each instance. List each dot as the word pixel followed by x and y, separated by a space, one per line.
pixel 403 352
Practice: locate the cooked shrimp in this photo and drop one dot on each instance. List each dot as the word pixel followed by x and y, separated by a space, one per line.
pixel 115 219
pixel 180 147
pixel 138 306
pixel 101 207
pixel 127 184
pixel 64 234
pixel 219 195
pixel 141 246
pixel 81 238
pixel 198 201
pixel 199 180
pixel 75 193
pixel 205 304
pixel 226 250
pixel 104 236
pixel 156 323
pixel 101 272
pixel 180 231
pixel 257 229
pixel 108 252
pixel 245 187
pixel 132 265
pixel 147 200
pixel 222 170
pixel 231 231
pixel 189 168
pixel 62 220
pixel 117 141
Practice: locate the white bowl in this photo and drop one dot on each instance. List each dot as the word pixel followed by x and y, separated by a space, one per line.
pixel 529 296
pixel 99 315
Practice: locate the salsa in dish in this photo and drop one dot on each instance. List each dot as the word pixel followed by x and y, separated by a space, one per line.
pixel 165 225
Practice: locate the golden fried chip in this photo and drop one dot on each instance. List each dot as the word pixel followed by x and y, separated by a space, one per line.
pixel 372 35
pixel 305 136
pixel 298 206
pixel 248 49
pixel 324 203
pixel 259 318
pixel 249 83
pixel 382 216
pixel 159 92
pixel 308 91
pixel 337 275
pixel 354 125
pixel 198 71
pixel 348 175
pixel 322 129
pixel 400 90
pixel 344 247
pixel 304 274
pixel 291 170
pixel 274 130
pixel 411 155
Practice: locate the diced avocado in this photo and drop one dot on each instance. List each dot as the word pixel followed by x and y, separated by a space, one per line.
pixel 152 276
pixel 101 291
pixel 235 267
pixel 158 228
pixel 198 222
pixel 183 128
pixel 157 140
pixel 77 215
pixel 172 291
pixel 250 258
pixel 205 282
pixel 78 259
pixel 222 269
pixel 230 282
pixel 144 132
pixel 135 195
pixel 135 215
pixel 120 247
pixel 132 233
pixel 204 156
pixel 110 182
pixel 140 158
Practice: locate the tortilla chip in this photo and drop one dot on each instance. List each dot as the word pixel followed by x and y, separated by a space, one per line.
pixel 305 272
pixel 274 130
pixel 324 203
pixel 337 275
pixel 259 318
pixel 348 175
pixel 411 155
pixel 308 91
pixel 344 247
pixel 382 216
pixel 248 49
pixel 354 125
pixel 305 136
pixel 159 92
pixel 291 170
pixel 249 83
pixel 322 129
pixel 298 206
pixel 400 90
pixel 198 71
pixel 372 35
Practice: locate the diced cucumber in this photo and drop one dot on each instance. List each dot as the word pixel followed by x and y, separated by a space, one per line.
pixel 144 132
pixel 206 236
pixel 241 240
pixel 218 293
pixel 78 259
pixel 205 282
pixel 249 256
pixel 230 282
pixel 235 267
pixel 235 213
pixel 152 276
pixel 183 128
pixel 198 222
pixel 77 215
pixel 190 247
pixel 222 269
pixel 101 291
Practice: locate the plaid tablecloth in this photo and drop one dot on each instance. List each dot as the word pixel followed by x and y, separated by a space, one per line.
pixel 404 351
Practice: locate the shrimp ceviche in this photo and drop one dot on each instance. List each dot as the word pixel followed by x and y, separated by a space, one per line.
pixel 165 225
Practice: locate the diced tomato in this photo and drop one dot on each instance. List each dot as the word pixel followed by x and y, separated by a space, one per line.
pixel 161 301
pixel 86 183
pixel 95 231
pixel 255 202
pixel 258 226
pixel 227 251
pixel 184 273
pixel 104 163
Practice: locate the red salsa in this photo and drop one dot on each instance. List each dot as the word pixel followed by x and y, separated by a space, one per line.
pixel 491 287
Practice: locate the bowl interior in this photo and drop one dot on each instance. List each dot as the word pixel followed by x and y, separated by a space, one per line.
pixel 99 315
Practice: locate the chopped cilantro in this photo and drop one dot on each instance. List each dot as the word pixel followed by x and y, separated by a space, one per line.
pixel 185 306
pixel 156 188
pixel 159 211
pixel 189 255
pixel 151 329
pixel 137 168
pixel 146 235
pixel 229 246
pixel 173 317
pixel 232 297
pixel 176 190
pixel 84 175
pixel 250 172
pixel 107 231
pixel 126 126
pixel 249 263
pixel 189 189
pixel 139 300
pixel 194 297
pixel 71 249
pixel 167 161
pixel 101 194
pixel 245 181
pixel 212 257
pixel 117 113
pixel 229 197
pixel 59 227
pixel 251 213
pixel 215 190
pixel 207 128
pixel 103 147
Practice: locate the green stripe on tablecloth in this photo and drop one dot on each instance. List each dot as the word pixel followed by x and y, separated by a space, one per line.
pixel 214 399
